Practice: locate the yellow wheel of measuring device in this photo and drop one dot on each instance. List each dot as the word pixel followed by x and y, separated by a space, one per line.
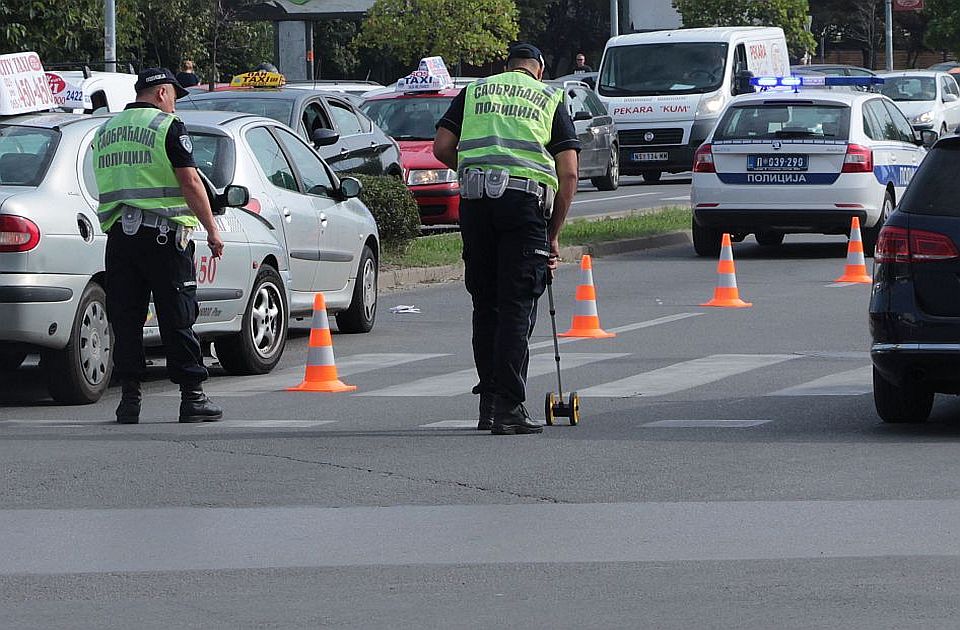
pixel 548 408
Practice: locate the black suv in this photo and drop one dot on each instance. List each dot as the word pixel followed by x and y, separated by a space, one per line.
pixel 915 304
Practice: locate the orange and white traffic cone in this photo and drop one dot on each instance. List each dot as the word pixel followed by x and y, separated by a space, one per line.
pixel 726 294
pixel 586 321
pixel 856 269
pixel 321 375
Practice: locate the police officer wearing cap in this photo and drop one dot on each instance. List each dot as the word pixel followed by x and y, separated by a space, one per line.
pixel 514 147
pixel 151 200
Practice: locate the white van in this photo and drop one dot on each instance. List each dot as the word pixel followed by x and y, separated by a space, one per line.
pixel 666 89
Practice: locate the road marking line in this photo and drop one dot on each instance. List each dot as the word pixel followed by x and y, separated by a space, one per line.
pixel 268 424
pixel 698 424
pixel 462 382
pixel 685 375
pixel 643 194
pixel 620 329
pixel 842 284
pixel 681 198
pixel 240 386
pixel 451 424
pixel 850 383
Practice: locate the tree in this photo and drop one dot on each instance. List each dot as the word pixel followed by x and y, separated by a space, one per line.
pixel 790 15
pixel 943 32
pixel 475 31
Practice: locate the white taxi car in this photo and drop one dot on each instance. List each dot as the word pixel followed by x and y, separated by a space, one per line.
pixel 802 161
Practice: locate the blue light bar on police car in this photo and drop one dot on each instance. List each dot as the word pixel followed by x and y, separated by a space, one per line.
pixel 813 81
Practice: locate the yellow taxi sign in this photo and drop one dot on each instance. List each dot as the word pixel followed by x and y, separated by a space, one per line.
pixel 259 78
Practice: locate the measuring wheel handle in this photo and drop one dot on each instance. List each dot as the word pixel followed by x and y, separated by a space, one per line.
pixel 574 409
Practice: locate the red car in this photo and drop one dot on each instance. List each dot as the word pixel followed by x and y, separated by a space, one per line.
pixel 409 118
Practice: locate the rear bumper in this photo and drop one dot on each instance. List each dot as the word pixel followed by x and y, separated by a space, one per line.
pixel 791 220
pixel 934 365
pixel 38 309
pixel 438 204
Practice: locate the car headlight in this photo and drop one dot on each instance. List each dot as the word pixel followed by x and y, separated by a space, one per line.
pixel 710 105
pixel 431 176
pixel 925 117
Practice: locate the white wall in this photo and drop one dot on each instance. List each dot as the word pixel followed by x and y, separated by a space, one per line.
pixel 651 15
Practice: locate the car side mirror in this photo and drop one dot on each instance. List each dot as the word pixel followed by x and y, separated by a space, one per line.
pixel 949 97
pixel 324 137
pixel 233 196
pixel 741 83
pixel 350 187
pixel 583 115
pixel 926 138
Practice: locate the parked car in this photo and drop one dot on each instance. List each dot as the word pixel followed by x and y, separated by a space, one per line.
pixel 345 138
pixel 931 100
pixel 590 78
pixel 915 303
pixel 599 153
pixel 952 67
pixel 836 69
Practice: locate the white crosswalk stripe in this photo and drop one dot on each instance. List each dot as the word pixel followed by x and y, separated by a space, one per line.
pixel 850 383
pixel 462 382
pixel 685 375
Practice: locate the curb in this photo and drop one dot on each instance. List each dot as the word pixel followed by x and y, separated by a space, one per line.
pixel 398 279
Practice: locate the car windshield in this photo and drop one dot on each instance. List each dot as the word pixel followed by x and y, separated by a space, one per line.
pixel 25 154
pixel 762 121
pixel 910 88
pixel 654 69
pixel 276 108
pixel 214 156
pixel 408 118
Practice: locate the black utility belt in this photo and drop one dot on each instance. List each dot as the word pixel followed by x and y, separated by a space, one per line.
pixel 478 183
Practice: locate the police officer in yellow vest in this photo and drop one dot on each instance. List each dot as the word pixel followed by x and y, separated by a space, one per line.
pixel 514 147
pixel 151 200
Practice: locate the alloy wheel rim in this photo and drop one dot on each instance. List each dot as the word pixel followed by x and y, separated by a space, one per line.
pixel 615 168
pixel 266 319
pixel 94 343
pixel 369 289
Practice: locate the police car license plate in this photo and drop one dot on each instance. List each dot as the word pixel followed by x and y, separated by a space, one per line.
pixel 785 162
pixel 661 156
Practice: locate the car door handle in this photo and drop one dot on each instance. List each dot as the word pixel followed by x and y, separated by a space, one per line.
pixel 286 214
pixel 323 219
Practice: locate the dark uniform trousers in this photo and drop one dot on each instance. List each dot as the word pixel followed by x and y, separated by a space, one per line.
pixel 505 252
pixel 136 267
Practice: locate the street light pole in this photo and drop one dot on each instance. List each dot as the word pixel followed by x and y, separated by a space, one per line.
pixel 614 18
pixel 889 34
pixel 110 35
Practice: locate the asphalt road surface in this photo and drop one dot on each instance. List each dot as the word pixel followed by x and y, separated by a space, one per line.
pixel 729 472
pixel 633 193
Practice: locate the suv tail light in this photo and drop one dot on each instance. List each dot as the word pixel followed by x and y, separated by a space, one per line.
pixel 859 159
pixel 703 160
pixel 17 234
pixel 903 245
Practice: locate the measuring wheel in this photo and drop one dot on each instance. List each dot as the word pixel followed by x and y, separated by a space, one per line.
pixel 548 408
pixel 574 409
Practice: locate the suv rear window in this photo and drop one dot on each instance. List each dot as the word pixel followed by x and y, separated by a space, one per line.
pixel 933 189
pixel 25 154
pixel 760 121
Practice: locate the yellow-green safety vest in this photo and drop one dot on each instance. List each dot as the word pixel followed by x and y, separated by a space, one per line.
pixel 131 166
pixel 507 123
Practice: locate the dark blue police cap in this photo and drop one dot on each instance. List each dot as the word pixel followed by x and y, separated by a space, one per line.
pixel 158 76
pixel 525 51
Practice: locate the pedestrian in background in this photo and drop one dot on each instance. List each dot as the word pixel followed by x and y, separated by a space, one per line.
pixel 151 200
pixel 581 66
pixel 186 77
pixel 514 147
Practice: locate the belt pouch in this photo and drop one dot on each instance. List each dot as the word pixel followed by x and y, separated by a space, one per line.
pixel 471 183
pixel 131 219
pixel 495 182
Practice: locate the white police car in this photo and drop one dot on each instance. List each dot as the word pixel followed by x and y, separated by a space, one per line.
pixel 802 161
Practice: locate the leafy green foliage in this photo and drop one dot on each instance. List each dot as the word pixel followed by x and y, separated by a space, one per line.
pixel 790 15
pixel 943 32
pixel 475 31
pixel 393 208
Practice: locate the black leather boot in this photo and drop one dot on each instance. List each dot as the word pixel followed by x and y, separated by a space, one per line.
pixel 196 407
pixel 486 411
pixel 128 411
pixel 513 419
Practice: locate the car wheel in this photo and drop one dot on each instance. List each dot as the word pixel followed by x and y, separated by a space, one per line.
pixel 80 373
pixel 870 235
pixel 258 346
pixel 908 403
pixel 652 176
pixel 706 241
pixel 611 180
pixel 362 313
pixel 11 360
pixel 769 239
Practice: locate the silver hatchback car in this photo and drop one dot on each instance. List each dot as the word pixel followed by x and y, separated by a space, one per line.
pixel 300 231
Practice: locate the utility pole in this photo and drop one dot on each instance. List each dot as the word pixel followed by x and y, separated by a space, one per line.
pixel 889 34
pixel 110 35
pixel 614 18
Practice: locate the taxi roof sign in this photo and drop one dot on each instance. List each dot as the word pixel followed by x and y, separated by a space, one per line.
pixel 66 94
pixel 23 85
pixel 430 76
pixel 258 79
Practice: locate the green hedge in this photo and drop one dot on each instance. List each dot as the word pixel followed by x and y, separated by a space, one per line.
pixel 393 207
